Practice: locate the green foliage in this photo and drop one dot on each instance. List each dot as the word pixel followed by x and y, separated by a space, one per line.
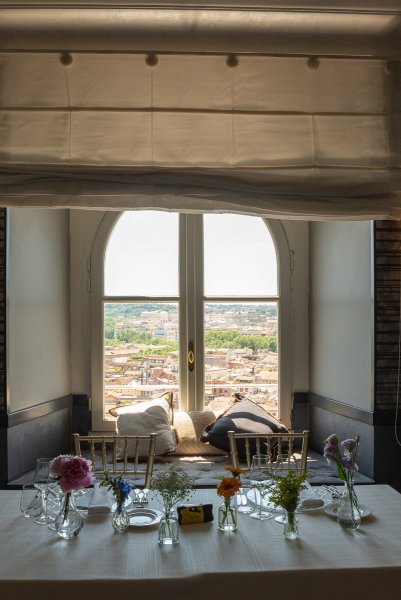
pixel 118 485
pixel 287 489
pixel 130 336
pixel 222 338
pixel 109 328
pixel 172 485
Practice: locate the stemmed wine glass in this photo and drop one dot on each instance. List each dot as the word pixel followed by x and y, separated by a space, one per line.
pixel 41 481
pixel 260 483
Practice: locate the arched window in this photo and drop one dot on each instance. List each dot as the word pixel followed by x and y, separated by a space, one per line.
pixel 188 303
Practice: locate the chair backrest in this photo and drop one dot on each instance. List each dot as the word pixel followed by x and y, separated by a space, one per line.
pixel 128 455
pixel 285 450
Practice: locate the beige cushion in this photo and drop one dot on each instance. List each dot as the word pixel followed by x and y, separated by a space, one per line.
pixel 145 418
pixel 189 426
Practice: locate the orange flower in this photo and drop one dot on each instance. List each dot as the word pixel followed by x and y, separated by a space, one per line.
pixel 228 487
pixel 235 471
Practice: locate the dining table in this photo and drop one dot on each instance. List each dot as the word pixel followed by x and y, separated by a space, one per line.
pixel 257 562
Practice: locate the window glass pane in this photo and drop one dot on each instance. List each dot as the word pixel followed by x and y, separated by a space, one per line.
pixel 142 255
pixel 240 257
pixel 140 352
pixel 241 354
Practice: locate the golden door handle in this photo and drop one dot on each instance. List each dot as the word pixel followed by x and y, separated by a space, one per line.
pixel 191 356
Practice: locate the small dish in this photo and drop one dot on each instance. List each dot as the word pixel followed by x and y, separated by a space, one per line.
pixel 312 500
pixel 332 509
pixel 144 517
pixel 304 508
pixel 255 498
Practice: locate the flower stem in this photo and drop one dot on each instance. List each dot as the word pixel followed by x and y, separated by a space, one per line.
pixel 66 505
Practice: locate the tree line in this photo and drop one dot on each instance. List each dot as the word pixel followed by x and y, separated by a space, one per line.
pixel 215 338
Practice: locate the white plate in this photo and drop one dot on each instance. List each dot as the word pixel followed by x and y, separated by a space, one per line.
pixel 332 509
pixel 144 517
pixel 302 509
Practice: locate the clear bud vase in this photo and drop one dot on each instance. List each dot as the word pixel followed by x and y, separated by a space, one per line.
pixel 169 534
pixel 228 516
pixel 120 518
pixel 291 530
pixel 69 521
pixel 348 514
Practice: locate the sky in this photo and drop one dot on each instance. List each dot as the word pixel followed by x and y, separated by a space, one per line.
pixel 142 255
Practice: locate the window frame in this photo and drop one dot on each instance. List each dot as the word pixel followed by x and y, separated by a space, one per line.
pixel 191 299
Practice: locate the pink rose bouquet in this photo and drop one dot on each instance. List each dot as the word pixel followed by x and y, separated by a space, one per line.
pixel 73 472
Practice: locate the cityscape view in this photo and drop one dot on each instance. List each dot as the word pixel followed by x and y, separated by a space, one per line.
pixel 141 357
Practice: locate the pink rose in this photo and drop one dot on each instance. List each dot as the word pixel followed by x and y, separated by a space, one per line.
pixel 56 465
pixel 74 472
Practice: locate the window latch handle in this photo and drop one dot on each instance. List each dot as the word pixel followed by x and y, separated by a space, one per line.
pixel 191 356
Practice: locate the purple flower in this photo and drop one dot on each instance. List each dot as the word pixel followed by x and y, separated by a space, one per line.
pixel 332 440
pixel 349 445
pixel 343 456
pixel 348 462
pixel 330 452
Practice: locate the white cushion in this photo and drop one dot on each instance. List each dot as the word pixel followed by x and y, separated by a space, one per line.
pixel 145 418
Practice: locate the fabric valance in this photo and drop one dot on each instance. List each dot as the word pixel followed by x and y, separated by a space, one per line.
pixel 287 113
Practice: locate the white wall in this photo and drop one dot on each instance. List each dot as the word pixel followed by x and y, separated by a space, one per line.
pixel 298 239
pixel 38 306
pixel 341 312
pixel 83 227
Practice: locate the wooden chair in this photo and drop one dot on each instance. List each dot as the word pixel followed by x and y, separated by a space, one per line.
pixel 118 454
pixel 280 447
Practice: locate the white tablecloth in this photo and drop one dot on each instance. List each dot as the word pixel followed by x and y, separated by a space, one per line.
pixel 256 562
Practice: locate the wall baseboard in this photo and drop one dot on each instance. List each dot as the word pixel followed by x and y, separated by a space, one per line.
pixel 34 412
pixel 338 408
pixel 379 455
pixel 25 435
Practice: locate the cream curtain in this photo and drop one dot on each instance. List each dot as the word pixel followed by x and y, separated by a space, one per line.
pixel 302 122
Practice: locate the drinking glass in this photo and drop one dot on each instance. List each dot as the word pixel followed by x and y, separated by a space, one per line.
pixel 243 505
pixel 260 484
pixel 31 501
pixel 53 502
pixel 41 481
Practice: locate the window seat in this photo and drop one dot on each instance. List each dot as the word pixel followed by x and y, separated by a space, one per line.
pixel 206 470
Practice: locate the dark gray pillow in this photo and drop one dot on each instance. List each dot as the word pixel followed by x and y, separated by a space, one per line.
pixel 244 416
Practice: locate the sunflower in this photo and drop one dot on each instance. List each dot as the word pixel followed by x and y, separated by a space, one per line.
pixel 228 487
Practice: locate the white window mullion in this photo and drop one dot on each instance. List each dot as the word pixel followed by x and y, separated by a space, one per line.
pixel 183 321
pixel 199 314
pixel 191 313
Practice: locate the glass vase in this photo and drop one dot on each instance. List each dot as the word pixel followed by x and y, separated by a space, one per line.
pixel 228 516
pixel 168 530
pixel 120 518
pixel 348 514
pixel 69 520
pixel 291 531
